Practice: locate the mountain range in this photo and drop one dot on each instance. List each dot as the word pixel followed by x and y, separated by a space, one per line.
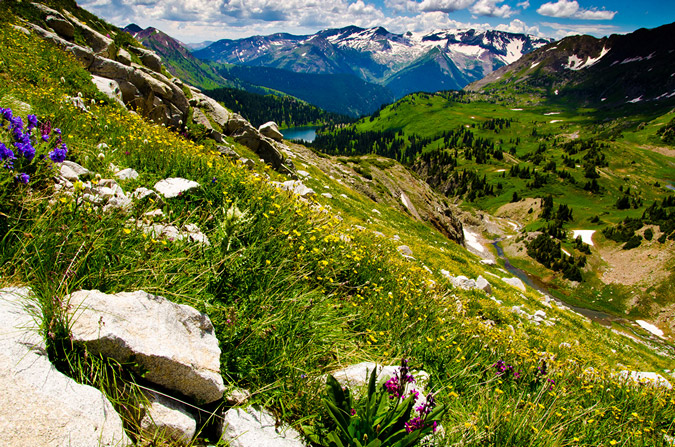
pixel 608 72
pixel 404 63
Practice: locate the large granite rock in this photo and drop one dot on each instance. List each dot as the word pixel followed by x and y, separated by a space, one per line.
pixel 251 427
pixel 40 406
pixel 148 57
pixel 108 87
pixel 61 26
pixel 168 419
pixel 173 344
pixel 271 130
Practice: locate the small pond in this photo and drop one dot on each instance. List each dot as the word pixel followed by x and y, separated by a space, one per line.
pixel 304 133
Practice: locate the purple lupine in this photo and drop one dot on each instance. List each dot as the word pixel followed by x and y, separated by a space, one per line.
pixel 32 122
pixel 5 152
pixel 23 178
pixel 58 155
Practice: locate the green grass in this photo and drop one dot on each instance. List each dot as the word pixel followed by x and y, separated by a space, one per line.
pixel 295 291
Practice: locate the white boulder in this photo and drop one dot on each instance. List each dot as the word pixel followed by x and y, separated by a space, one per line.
pixel 271 130
pixel 41 406
pixel 251 427
pixel 483 284
pixel 127 174
pixel 174 186
pixel 168 418
pixel 173 344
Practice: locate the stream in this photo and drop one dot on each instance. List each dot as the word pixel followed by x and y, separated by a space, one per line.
pixel 600 317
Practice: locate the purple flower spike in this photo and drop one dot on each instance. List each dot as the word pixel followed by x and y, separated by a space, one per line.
pixel 23 178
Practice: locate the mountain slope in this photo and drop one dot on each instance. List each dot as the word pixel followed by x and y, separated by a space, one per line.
pixel 608 72
pixel 376 55
pixel 178 59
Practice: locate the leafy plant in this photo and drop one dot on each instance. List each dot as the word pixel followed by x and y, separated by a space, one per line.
pixel 383 417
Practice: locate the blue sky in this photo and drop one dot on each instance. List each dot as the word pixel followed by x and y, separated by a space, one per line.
pixel 201 20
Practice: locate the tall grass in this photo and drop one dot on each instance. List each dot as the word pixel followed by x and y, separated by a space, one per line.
pixel 294 291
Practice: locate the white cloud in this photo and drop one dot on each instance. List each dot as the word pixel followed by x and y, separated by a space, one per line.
pixel 561 8
pixel 519 27
pixel 525 4
pixel 438 5
pixel 570 8
pixel 489 8
pixel 563 30
pixel 595 14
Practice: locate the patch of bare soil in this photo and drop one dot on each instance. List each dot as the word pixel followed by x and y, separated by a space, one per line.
pixel 668 152
pixel 519 211
pixel 646 264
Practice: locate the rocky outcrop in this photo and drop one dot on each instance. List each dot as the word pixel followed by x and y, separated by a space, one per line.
pixel 144 89
pixel 271 130
pixel 173 344
pixel 251 427
pixel 167 418
pixel 40 405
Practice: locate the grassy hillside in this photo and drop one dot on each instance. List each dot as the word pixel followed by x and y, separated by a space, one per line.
pixel 279 257
pixel 491 153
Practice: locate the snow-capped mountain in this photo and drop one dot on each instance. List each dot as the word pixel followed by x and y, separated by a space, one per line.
pixel 444 59
pixel 607 72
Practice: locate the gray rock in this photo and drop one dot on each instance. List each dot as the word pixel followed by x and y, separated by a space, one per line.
pixel 72 171
pixel 251 427
pixel 110 69
pixel 148 57
pixel 356 377
pixel 123 57
pixel 235 123
pixel 228 151
pixel 271 130
pixel 296 187
pixel 21 29
pixel 199 117
pixel 100 44
pixel 127 174
pixel 247 162
pixel 219 114
pixel 645 378
pixel 84 56
pixel 173 343
pixel 405 250
pixel 237 396
pixel 61 26
pixel 515 282
pixel 41 406
pixel 327 195
pixel 141 193
pixel 168 418
pixel 463 282
pixel 173 187
pixel 483 284
pixel 248 136
pixel 109 87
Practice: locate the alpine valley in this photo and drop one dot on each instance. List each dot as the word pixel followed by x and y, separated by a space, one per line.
pixel 477 249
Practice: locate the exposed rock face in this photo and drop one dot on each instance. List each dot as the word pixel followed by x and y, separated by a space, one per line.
pixel 251 427
pixel 72 171
pixel 40 406
pixel 148 57
pixel 405 251
pixel 483 284
pixel 61 26
pixel 271 130
pixel 169 418
pixel 108 87
pixel 173 343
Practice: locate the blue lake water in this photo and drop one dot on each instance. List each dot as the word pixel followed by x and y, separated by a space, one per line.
pixel 305 133
pixel 670 186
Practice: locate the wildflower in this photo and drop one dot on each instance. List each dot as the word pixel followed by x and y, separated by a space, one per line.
pixel 58 155
pixel 5 152
pixel 23 178
pixel 32 122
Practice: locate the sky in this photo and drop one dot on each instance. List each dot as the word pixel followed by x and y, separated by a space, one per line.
pixel 193 21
